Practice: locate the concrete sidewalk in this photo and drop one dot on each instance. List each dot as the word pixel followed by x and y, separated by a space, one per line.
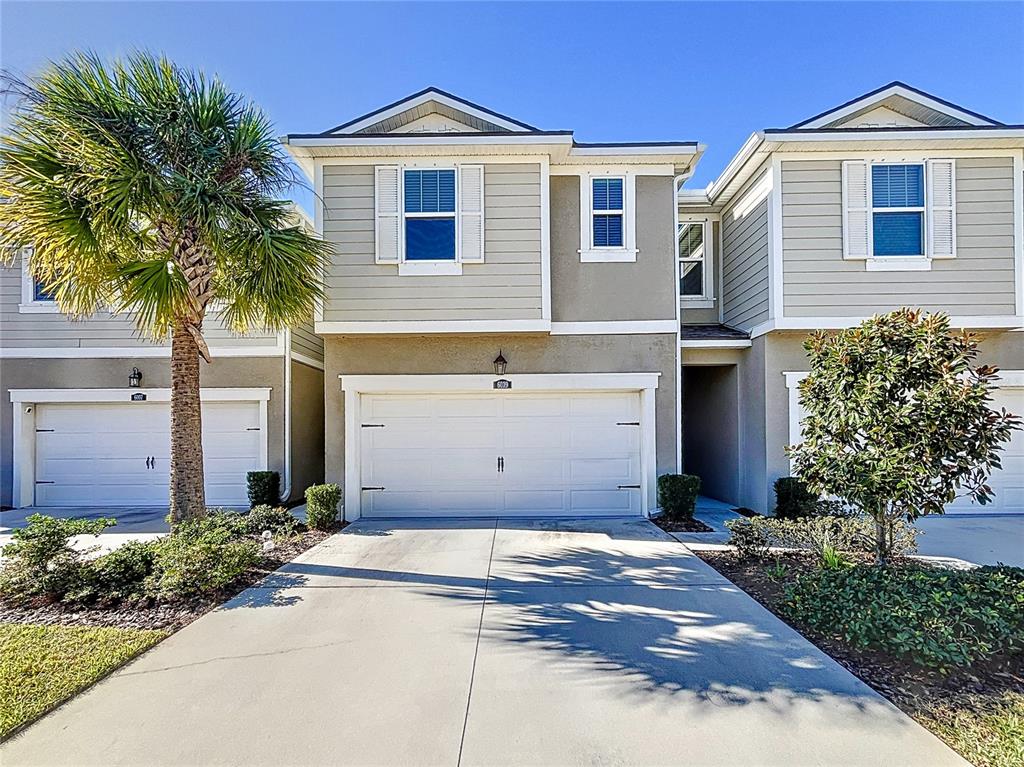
pixel 485 642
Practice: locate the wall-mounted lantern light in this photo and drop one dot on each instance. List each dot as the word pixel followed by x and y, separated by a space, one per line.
pixel 500 363
pixel 135 378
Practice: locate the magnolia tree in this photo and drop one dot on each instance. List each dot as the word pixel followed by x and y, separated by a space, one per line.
pixel 898 419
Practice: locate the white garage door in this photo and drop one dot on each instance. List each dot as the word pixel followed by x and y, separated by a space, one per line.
pixel 568 454
pixel 1008 482
pixel 118 454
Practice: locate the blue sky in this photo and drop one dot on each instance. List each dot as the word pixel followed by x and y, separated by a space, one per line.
pixel 712 72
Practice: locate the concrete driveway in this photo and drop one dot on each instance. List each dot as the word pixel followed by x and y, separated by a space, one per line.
pixel 485 643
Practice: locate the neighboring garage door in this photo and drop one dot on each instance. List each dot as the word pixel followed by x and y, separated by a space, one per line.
pixel 1008 482
pixel 118 454
pixel 568 454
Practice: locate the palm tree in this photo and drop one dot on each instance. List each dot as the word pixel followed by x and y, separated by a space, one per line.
pixel 151 189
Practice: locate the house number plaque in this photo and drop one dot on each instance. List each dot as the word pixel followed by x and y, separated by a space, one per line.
pixel 503 383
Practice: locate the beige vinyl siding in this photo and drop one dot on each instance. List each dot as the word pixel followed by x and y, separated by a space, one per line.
pixel 307 342
pixel 52 329
pixel 506 286
pixel 745 241
pixel 818 282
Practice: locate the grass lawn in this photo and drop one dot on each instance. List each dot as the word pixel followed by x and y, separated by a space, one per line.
pixel 988 730
pixel 40 666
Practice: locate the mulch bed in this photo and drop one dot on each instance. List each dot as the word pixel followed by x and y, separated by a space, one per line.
pixel 681 525
pixel 916 691
pixel 169 616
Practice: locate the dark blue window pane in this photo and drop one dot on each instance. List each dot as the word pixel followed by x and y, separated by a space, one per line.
pixel 608 231
pixel 607 193
pixel 898 234
pixel 430 191
pixel 41 294
pixel 897 186
pixel 430 239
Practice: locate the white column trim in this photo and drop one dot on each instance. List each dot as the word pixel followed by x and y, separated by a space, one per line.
pixel 545 238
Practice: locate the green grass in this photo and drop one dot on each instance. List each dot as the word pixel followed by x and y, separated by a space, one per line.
pixel 40 666
pixel 988 730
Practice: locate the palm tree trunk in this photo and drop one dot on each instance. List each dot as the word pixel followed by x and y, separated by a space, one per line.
pixel 188 493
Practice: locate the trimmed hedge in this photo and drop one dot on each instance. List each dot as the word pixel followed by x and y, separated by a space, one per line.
pixel 755 536
pixel 938 619
pixel 322 506
pixel 793 500
pixel 264 488
pixel 677 495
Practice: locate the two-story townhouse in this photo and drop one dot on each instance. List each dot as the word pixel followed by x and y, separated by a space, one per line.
pixel 896 198
pixel 82 431
pixel 501 320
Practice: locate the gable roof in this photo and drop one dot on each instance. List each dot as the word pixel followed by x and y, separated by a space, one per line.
pixel 486 120
pixel 899 97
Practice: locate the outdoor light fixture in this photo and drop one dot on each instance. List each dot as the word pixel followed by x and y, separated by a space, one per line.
pixel 500 363
pixel 135 378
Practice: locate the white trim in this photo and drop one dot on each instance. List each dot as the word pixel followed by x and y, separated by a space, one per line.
pixel 319 214
pixel 793 416
pixel 712 343
pixel 308 361
pixel 619 151
pixel 776 256
pixel 454 139
pixel 545 238
pixel 608 256
pixel 613 327
pixel 1018 229
pixel 286 490
pixel 399 159
pixel 24 433
pixel 744 153
pixel 660 169
pixel 854 134
pixel 898 264
pixel 355 386
pixel 431 95
pixel 430 268
pixel 29 304
pixel 867 101
pixel 707 299
pixel 1011 379
pixel 435 326
pixel 589 254
pixel 995 322
pixel 128 352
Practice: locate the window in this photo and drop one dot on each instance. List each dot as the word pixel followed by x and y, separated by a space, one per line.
pixel 608 212
pixel 34 296
pixel 897 210
pixel 429 215
pixel 691 258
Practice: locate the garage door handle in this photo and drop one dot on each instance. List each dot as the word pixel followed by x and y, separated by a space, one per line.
pixel 627 423
pixel 45 482
pixel 372 488
pixel 629 487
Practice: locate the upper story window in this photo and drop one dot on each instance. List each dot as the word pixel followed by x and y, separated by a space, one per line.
pixel 897 210
pixel 34 295
pixel 696 262
pixel 607 210
pixel 429 220
pixel 429 215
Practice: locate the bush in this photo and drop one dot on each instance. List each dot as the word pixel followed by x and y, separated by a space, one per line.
pixel 264 488
pixel 232 522
pixel 121 574
pixel 40 561
pixel 199 562
pixel 677 495
pixel 939 619
pixel 322 506
pixel 754 537
pixel 793 500
pixel 277 520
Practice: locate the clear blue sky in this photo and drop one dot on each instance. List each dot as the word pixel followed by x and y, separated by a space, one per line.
pixel 712 72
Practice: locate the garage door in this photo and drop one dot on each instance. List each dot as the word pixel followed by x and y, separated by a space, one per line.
pixel 118 454
pixel 562 454
pixel 1008 482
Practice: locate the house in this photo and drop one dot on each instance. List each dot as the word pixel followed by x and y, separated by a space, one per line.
pixel 896 198
pixel 77 433
pixel 519 323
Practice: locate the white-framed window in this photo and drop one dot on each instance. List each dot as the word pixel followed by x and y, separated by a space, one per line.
pixel 898 215
pixel 607 216
pixel 35 299
pixel 695 250
pixel 429 218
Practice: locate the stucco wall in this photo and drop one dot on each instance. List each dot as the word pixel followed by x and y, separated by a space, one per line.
pixel 307 428
pixel 596 292
pixel 432 355
pixel 113 373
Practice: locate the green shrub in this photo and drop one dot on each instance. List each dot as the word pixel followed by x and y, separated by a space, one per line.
pixel 264 488
pixel 322 506
pixel 677 495
pixel 793 500
pixel 121 574
pixel 851 534
pixel 199 561
pixel 39 560
pixel 939 619
pixel 277 520
pixel 232 522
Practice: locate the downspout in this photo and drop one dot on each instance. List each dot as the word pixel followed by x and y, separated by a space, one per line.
pixel 677 184
pixel 286 490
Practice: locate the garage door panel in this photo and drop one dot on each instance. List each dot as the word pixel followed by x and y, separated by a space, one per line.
pixel 534 435
pixel 532 407
pixel 603 471
pixel 611 502
pixel 536 501
pixel 614 406
pixel 582 436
